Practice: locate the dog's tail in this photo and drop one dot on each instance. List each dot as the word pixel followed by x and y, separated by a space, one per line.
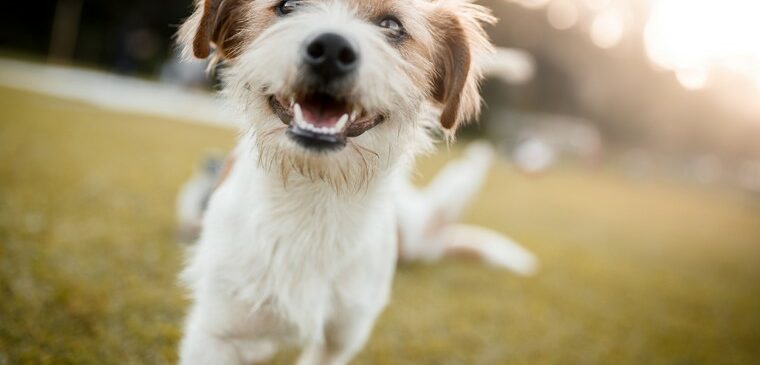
pixel 493 248
pixel 428 218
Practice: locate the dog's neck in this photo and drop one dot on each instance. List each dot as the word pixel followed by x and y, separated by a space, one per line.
pixel 315 223
pixel 303 233
pixel 294 186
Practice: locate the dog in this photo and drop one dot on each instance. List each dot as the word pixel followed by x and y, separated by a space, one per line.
pixel 301 236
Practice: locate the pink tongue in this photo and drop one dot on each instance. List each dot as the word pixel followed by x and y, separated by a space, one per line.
pixel 322 114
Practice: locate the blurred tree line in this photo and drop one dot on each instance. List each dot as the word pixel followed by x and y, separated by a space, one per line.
pixel 132 37
pixel 617 90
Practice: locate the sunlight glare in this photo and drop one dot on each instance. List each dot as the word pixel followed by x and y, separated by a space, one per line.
pixel 691 37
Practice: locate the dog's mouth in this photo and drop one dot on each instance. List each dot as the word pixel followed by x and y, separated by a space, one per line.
pixel 322 122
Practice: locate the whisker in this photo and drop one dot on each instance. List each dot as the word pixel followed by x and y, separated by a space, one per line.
pixel 377 155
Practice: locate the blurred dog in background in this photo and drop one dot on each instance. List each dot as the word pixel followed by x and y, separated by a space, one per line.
pixel 306 221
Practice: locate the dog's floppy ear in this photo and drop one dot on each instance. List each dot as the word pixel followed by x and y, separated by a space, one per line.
pixel 216 23
pixel 462 46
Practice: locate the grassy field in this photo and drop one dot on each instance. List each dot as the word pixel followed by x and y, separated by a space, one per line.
pixel 632 272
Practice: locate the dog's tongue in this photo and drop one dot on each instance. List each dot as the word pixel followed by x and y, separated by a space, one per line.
pixel 322 111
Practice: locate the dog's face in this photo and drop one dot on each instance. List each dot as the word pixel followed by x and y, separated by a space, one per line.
pixel 337 89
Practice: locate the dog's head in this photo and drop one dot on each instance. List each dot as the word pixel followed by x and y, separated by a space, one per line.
pixel 336 89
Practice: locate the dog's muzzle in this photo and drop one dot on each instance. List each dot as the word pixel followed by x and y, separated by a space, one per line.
pixel 322 114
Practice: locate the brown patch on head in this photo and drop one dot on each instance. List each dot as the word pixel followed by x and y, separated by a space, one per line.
pixel 371 9
pixel 218 23
pixel 453 66
pixel 225 25
pixel 461 45
pixel 445 48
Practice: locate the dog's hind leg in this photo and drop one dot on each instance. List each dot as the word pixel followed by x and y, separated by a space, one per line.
pixel 427 217
pixel 455 186
pixel 423 212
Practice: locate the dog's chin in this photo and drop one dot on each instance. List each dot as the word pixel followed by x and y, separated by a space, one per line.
pixel 319 122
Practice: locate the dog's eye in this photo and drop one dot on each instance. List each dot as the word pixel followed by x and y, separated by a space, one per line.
pixel 287 6
pixel 393 26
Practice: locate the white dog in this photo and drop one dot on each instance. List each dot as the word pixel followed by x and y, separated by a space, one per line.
pixel 300 240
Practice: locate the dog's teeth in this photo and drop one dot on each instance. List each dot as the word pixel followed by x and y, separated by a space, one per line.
pixel 292 102
pixel 298 118
pixel 298 113
pixel 342 122
pixel 354 114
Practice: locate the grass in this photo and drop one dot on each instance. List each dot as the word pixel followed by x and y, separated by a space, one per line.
pixel 633 272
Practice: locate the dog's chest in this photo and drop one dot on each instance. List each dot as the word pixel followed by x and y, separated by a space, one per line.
pixel 299 260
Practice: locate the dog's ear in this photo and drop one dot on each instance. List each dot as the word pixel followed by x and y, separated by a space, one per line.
pixel 216 23
pixel 461 49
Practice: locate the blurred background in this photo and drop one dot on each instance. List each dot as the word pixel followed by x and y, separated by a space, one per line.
pixel 630 137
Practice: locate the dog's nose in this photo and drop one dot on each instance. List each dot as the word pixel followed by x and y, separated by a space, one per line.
pixel 330 56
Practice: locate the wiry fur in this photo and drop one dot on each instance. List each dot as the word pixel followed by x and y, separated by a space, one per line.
pixel 299 247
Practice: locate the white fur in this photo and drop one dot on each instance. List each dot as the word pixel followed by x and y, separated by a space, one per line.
pixel 302 257
pixel 299 248
pixel 282 264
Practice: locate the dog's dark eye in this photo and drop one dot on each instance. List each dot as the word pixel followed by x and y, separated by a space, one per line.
pixel 393 26
pixel 287 6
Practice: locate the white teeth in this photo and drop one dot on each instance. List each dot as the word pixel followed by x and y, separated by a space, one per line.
pixel 292 102
pixel 302 123
pixel 298 114
pixel 341 122
pixel 354 114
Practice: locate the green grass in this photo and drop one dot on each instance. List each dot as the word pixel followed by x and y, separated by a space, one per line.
pixel 632 273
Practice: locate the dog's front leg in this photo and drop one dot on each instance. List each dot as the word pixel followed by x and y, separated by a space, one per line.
pixel 343 340
pixel 201 347
pixel 203 344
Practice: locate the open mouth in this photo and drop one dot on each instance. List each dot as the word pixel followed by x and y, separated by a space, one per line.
pixel 322 122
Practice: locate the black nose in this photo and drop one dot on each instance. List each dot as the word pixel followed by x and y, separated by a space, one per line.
pixel 330 56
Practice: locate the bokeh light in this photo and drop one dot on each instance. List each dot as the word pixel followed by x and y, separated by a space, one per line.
pixel 597 5
pixel 533 4
pixel 562 14
pixel 692 79
pixel 607 29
